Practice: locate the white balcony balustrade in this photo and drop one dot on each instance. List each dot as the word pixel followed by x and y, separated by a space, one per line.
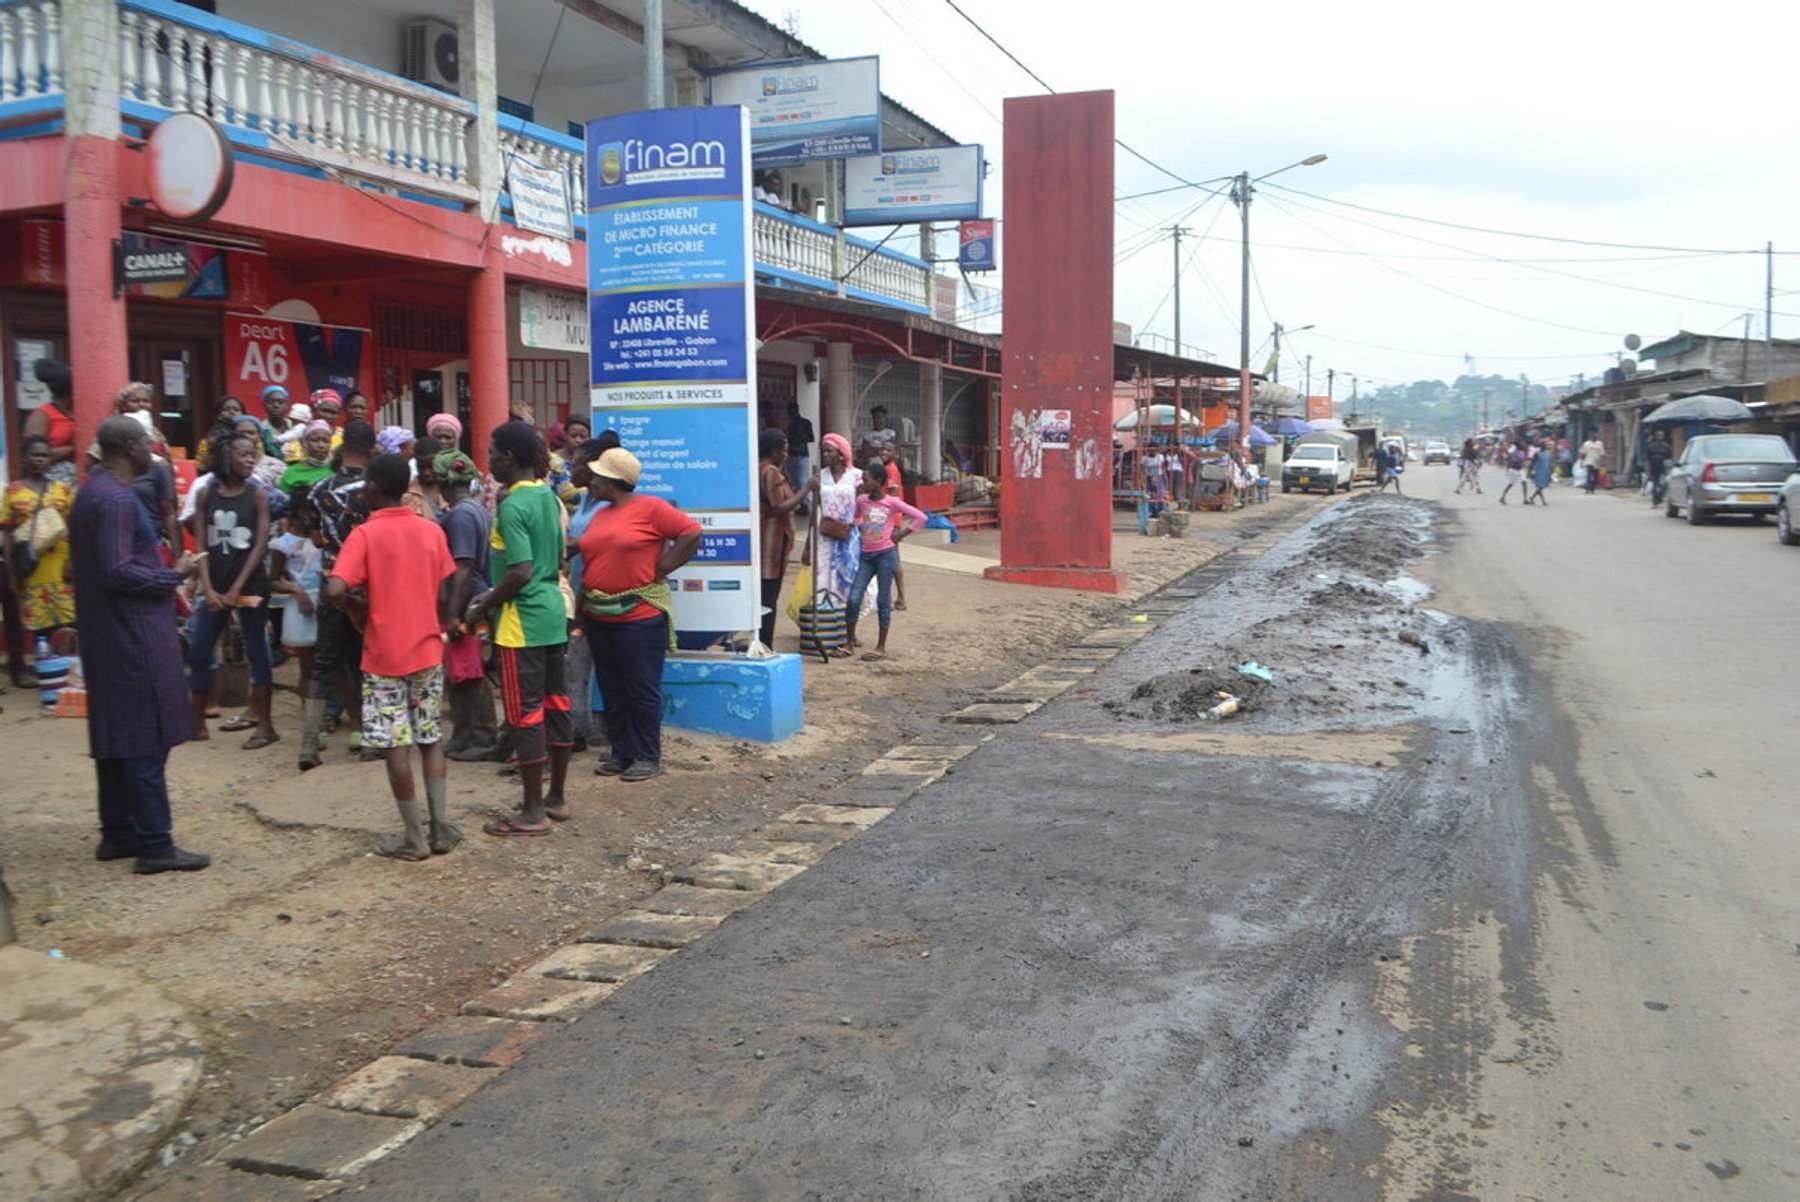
pixel 324 111
pixel 30 50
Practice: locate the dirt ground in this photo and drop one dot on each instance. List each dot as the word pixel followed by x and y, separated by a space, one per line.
pixel 302 955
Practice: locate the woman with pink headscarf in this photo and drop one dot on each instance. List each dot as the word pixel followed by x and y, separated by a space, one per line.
pixel 840 549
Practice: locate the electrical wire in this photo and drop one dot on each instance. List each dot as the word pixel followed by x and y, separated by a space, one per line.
pixel 1477 229
pixel 1375 259
pixel 1568 275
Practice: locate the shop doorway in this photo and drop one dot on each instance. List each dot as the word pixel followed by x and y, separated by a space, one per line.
pixel 185 374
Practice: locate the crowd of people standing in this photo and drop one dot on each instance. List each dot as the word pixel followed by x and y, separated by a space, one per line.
pixel 411 588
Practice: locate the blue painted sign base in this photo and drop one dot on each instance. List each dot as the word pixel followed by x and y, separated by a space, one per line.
pixel 755 699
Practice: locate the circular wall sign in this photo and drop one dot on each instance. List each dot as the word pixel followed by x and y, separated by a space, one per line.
pixel 189 164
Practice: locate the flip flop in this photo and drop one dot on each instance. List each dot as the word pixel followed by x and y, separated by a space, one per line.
pixel 561 814
pixel 511 826
pixel 870 657
pixel 259 741
pixel 840 653
pixel 238 723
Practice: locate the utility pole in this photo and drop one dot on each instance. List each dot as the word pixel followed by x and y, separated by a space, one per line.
pixel 653 54
pixel 1331 384
pixel 1309 375
pixel 1485 394
pixel 1177 231
pixel 1768 316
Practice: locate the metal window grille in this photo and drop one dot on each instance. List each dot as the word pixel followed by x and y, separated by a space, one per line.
pixel 543 384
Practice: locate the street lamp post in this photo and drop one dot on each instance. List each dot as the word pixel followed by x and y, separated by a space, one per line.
pixel 1241 189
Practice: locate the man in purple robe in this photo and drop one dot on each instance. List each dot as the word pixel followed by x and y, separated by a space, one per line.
pixel 137 695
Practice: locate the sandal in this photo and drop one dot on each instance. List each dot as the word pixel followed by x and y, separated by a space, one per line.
pixel 258 741
pixel 238 723
pixel 511 826
pixel 840 653
pixel 870 657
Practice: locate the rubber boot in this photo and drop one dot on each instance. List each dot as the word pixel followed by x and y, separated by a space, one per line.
pixel 412 844
pixel 262 702
pixel 312 723
pixel 444 834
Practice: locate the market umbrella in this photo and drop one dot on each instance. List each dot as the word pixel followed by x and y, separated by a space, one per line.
pixel 1326 423
pixel 1155 415
pixel 1229 432
pixel 1699 409
pixel 1289 425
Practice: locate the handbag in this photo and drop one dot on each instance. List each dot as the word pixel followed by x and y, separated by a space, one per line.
pixel 836 528
pixel 23 563
pixel 462 659
pixel 46 534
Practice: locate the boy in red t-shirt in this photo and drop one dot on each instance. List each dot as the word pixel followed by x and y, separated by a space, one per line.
pixel 400 568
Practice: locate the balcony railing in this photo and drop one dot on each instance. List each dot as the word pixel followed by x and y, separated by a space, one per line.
pixel 546 147
pixel 291 101
pixel 30 50
pixel 310 105
pixel 800 251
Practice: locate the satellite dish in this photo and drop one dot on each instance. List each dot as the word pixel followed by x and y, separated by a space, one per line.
pixel 1628 367
pixel 1632 342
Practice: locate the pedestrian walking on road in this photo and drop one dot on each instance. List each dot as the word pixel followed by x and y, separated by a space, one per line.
pixel 1389 463
pixel 1543 467
pixel 1515 470
pixel 630 547
pixel 531 627
pixel 1656 462
pixel 1469 467
pixel 394 575
pixel 137 696
pixel 878 517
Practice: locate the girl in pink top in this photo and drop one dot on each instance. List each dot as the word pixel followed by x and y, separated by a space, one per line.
pixel 879 521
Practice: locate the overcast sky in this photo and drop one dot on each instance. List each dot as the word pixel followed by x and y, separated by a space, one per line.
pixel 1578 120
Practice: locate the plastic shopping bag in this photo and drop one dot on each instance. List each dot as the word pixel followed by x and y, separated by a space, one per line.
pixel 802 594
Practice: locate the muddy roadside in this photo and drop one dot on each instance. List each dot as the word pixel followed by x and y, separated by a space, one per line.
pixel 302 956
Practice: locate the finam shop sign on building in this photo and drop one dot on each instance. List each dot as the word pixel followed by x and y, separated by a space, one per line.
pixel 672 365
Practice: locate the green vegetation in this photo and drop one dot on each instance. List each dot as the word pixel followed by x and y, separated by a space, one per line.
pixel 1433 409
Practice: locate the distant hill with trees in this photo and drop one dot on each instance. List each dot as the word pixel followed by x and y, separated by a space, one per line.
pixel 1433 409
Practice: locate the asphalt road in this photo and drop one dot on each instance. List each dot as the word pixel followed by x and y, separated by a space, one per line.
pixel 1511 917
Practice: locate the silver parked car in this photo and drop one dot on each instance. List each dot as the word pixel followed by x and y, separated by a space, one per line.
pixel 1787 519
pixel 1728 473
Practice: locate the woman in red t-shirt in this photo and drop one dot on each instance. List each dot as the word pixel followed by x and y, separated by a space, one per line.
pixel 628 550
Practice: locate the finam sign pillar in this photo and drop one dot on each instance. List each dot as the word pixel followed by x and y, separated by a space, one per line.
pixel 1057 378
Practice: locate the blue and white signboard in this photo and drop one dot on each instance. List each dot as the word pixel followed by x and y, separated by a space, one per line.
pixel 807 110
pixel 933 183
pixel 672 364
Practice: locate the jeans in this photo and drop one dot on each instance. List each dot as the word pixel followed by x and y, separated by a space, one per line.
pixel 879 566
pixel 134 804
pixel 628 667
pixel 203 635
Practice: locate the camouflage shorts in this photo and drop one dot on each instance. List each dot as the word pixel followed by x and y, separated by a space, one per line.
pixel 399 711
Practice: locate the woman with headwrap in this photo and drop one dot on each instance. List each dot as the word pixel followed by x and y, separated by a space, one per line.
pixel 395 440
pixel 840 548
pixel 445 429
pixel 315 460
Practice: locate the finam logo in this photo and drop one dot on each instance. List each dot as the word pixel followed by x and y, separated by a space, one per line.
pixel 620 161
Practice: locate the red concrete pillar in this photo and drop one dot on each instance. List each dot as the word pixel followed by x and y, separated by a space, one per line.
pixel 1056 502
pixel 490 388
pixel 97 345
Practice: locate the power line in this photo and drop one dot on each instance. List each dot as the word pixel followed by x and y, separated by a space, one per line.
pixel 1019 63
pixel 1407 275
pixel 1567 275
pixel 1477 229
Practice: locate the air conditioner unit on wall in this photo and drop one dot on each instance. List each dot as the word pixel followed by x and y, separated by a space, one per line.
pixel 428 53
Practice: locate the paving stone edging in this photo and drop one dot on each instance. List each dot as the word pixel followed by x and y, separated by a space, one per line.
pixel 314 1148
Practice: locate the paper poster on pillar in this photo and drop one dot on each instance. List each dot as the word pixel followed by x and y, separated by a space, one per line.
pixel 672 359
